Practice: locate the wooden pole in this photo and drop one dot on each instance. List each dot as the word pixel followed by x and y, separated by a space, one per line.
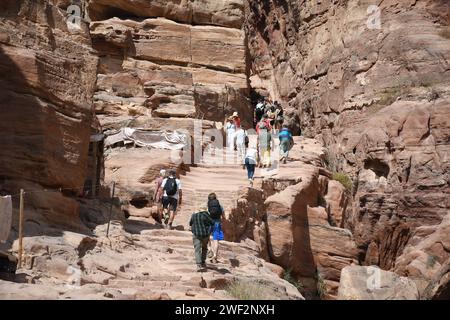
pixel 111 208
pixel 21 228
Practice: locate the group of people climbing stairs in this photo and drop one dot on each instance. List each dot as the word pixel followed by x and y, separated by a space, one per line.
pixel 219 176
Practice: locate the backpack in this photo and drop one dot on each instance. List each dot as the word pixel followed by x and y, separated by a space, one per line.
pixel 171 186
pixel 214 208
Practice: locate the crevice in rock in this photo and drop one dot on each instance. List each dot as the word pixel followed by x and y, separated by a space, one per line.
pixel 380 168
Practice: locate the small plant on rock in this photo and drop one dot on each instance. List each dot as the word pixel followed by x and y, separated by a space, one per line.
pixel 344 180
pixel 289 278
pixel 431 261
pixel 321 286
pixel 246 290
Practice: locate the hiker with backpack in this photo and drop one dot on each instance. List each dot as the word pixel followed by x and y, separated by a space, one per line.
pixel 157 197
pixel 286 143
pixel 215 212
pixel 250 161
pixel 200 225
pixel 172 197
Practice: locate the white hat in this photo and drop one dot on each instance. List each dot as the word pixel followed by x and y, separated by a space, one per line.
pixel 235 114
pixel 162 172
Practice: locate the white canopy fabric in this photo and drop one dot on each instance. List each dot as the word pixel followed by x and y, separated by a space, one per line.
pixel 144 138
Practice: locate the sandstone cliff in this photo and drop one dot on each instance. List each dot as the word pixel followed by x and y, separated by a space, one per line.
pixel 47 82
pixel 371 84
pixel 376 96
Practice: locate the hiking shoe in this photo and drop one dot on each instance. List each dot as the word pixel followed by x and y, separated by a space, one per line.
pixel 285 160
pixel 199 268
pixel 203 265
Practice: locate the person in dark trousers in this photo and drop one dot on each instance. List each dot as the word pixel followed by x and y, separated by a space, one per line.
pixel 216 212
pixel 201 224
pixel 172 197
pixel 250 161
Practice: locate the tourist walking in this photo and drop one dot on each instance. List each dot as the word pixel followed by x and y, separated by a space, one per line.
pixel 172 197
pixel 258 112
pixel 264 142
pixel 230 128
pixel 241 138
pixel 216 213
pixel 250 161
pixel 236 120
pixel 158 195
pixel 279 116
pixel 286 143
pixel 201 224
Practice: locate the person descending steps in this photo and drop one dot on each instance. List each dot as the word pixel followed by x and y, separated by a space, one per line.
pixel 172 197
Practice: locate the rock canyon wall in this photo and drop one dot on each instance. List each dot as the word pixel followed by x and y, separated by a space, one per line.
pixel 47 82
pixel 377 96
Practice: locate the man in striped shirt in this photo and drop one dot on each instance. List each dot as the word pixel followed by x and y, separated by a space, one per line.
pixel 201 224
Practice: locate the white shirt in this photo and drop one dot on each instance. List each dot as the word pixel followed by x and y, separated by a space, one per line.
pixel 240 137
pixel 252 155
pixel 231 128
pixel 176 195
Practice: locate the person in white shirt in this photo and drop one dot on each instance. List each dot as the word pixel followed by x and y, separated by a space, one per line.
pixel 172 197
pixel 240 137
pixel 230 128
pixel 250 161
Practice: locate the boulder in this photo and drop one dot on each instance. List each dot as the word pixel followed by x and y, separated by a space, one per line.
pixel 372 283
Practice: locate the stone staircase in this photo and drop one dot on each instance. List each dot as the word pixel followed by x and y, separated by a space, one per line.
pixel 222 174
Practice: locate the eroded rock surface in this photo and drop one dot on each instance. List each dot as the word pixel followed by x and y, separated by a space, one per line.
pixel 377 98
